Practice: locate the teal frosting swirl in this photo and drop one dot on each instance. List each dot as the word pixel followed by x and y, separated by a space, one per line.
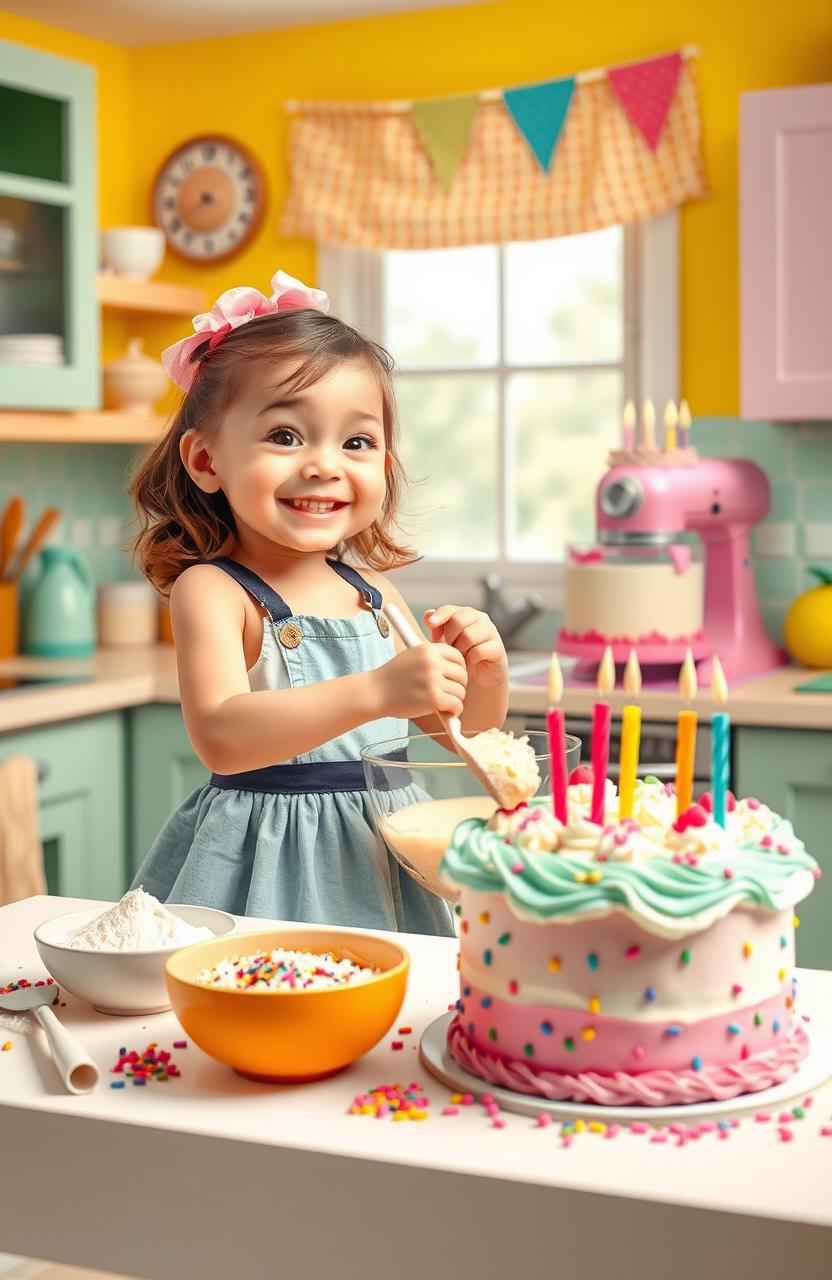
pixel 656 888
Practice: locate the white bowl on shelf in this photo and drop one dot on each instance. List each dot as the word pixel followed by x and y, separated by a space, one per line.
pixel 133 252
pixel 124 982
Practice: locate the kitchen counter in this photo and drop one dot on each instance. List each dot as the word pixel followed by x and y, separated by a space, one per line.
pixel 133 677
pixel 211 1175
pixel 769 701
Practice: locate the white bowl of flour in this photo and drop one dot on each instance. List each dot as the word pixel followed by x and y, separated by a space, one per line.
pixel 114 956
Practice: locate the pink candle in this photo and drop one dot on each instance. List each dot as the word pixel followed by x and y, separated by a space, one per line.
pixel 600 757
pixel 556 724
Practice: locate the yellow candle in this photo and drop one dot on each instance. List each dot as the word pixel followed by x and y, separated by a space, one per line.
pixel 685 748
pixel 670 419
pixel 628 760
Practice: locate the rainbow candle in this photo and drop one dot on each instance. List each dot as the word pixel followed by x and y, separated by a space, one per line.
pixel 684 425
pixel 601 716
pixel 628 759
pixel 686 737
pixel 556 724
pixel 720 746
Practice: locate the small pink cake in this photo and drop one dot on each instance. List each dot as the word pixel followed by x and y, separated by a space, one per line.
pixel 646 962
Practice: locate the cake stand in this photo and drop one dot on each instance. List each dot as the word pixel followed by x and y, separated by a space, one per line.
pixel 815 1069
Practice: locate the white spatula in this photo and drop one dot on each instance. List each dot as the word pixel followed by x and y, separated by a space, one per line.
pixel 78 1072
pixel 451 724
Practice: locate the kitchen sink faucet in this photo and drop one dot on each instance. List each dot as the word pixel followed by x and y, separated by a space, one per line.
pixel 509 619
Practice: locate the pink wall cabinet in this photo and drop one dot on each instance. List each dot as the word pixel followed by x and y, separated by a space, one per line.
pixel 786 253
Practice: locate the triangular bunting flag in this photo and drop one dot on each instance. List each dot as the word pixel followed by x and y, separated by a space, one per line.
pixel 645 90
pixel 539 111
pixel 444 125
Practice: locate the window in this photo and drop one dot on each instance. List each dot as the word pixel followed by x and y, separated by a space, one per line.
pixel 513 365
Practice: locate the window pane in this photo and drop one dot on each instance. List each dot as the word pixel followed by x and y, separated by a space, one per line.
pixel 440 307
pixel 32 134
pixel 565 299
pixel 561 426
pixel 451 454
pixel 32 280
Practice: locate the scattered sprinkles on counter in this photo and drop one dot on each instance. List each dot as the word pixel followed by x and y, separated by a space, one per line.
pixel 397 1102
pixel 153 1064
pixel 282 970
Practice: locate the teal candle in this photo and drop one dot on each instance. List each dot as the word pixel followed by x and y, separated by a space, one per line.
pixel 720 764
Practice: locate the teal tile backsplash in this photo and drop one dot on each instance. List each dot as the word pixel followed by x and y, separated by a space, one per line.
pixel 87 483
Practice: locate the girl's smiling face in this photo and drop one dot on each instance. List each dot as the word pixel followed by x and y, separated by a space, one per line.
pixel 301 470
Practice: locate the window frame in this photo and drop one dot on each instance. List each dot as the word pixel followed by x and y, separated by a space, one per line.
pixel 353 279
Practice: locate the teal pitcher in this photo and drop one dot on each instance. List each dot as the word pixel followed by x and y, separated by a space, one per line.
pixel 59 617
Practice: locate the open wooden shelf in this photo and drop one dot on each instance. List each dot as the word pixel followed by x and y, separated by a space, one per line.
pixel 157 296
pixel 105 426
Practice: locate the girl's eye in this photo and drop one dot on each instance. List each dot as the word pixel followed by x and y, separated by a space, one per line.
pixel 283 435
pixel 357 443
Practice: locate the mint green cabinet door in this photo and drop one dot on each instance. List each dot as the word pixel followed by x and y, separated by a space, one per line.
pixel 48 232
pixel 164 769
pixel 80 803
pixel 791 770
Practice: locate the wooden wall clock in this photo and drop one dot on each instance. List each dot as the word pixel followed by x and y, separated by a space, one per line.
pixel 208 198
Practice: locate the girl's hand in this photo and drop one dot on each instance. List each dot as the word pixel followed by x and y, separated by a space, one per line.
pixel 423 680
pixel 474 635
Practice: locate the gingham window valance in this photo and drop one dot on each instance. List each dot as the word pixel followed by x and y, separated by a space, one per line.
pixel 361 174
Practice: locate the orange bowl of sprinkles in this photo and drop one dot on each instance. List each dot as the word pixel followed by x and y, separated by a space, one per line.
pixel 286 1005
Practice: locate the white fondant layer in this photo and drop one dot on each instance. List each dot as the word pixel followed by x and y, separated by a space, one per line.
pixel 743 959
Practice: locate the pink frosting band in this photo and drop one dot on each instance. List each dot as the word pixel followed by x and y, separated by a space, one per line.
pixel 647 1088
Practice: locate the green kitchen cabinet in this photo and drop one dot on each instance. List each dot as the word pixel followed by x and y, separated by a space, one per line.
pixel 791 771
pixel 48 232
pixel 80 803
pixel 163 770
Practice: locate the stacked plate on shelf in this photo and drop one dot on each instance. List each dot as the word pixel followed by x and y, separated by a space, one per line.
pixel 31 348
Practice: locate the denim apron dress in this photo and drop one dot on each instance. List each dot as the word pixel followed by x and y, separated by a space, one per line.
pixel 295 840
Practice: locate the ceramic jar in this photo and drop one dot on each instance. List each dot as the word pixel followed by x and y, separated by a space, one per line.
pixel 59 616
pixel 128 615
pixel 135 381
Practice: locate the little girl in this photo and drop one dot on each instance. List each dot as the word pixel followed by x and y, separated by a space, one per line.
pixel 280 462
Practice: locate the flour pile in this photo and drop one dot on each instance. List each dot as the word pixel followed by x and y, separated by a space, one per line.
pixel 138 922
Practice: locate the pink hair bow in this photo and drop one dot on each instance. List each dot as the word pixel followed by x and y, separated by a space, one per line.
pixel 232 309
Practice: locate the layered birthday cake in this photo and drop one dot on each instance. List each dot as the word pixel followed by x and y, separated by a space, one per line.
pixel 645 961
pixel 644 597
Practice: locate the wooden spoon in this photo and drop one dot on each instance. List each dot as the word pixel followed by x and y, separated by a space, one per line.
pixel 10 531
pixel 451 724
pixel 37 537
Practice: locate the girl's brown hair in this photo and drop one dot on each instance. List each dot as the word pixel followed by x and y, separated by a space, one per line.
pixel 181 525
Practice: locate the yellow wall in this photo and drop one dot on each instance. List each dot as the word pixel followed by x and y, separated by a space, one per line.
pixel 167 93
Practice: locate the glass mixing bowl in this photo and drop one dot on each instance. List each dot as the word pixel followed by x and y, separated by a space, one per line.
pixel 419 790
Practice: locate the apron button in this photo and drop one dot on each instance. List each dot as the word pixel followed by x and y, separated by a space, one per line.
pixel 290 635
pixel 383 625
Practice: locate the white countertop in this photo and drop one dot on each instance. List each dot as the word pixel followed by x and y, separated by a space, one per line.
pixel 120 678
pixel 210 1175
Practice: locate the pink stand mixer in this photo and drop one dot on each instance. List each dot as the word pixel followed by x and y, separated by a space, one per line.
pixel 648 505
